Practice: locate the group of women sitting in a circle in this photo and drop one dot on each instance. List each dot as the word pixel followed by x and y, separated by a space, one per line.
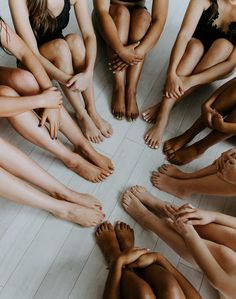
pixel 204 51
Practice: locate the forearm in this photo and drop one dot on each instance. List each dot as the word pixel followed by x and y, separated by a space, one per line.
pixel 189 291
pixel 224 219
pixel 204 259
pixel 177 53
pixel 229 128
pixel 91 52
pixel 112 287
pixel 109 31
pixel 10 106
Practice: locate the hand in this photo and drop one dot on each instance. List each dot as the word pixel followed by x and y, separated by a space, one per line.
pixel 228 172
pixel 218 122
pixel 79 82
pixel 181 227
pixel 129 55
pixel 190 215
pixel 224 157
pixel 207 114
pixel 53 117
pixel 144 260
pixel 170 211
pixel 173 87
pixel 52 98
pixel 131 255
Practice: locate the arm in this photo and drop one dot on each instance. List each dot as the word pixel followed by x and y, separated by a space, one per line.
pixel 159 14
pixel 20 16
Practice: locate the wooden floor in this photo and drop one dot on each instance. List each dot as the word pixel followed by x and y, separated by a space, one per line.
pixel 42 257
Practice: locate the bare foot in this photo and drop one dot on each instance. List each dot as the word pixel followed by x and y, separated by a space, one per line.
pixel 124 235
pixel 174 144
pixel 135 208
pixel 148 199
pixel 118 103
pixel 98 159
pixel 170 185
pixel 90 131
pixel 86 170
pixel 184 155
pixel 150 114
pixel 173 171
pixel 107 241
pixel 154 135
pixel 79 214
pixel 132 111
pixel 104 127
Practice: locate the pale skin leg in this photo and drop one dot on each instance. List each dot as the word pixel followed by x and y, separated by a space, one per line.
pixel 22 193
pixel 121 17
pixel 192 63
pixel 140 20
pixel 19 165
pixel 27 125
pixel 58 52
pixel 224 256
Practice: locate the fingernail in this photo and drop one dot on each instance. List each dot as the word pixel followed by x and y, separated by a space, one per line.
pixel 100 208
pixel 52 138
pixel 39 125
pixel 56 138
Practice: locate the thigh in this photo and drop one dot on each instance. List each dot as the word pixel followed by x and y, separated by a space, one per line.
pixel 140 20
pixel 226 101
pixel 192 55
pixel 162 282
pixel 134 287
pixel 121 17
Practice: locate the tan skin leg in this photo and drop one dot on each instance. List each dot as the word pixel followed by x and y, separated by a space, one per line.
pixel 225 256
pixel 22 193
pixel 27 125
pixel 58 52
pixel 225 104
pixel 140 20
pixel 154 135
pixel 121 17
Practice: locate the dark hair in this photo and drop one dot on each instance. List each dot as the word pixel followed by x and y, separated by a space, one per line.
pixel 3 25
pixel 40 17
pixel 215 13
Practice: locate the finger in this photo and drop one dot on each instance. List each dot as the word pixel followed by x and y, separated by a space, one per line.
pixel 231 160
pixel 43 119
pixel 122 67
pixel 52 130
pixel 135 45
pixel 71 82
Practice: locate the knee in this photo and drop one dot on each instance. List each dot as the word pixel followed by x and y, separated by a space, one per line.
pixel 7 91
pixel 76 42
pixel 62 51
pixel 195 46
pixel 24 82
pixel 144 19
pixel 145 292
pixel 222 46
pixel 143 16
pixel 170 286
pixel 119 11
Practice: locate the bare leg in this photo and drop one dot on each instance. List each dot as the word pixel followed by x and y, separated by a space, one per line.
pixel 131 286
pixel 174 172
pixel 185 188
pixel 192 56
pixel 19 165
pixel 121 17
pixel 22 193
pixel 124 235
pixel 78 52
pixel 58 52
pixel 139 24
pixel 224 256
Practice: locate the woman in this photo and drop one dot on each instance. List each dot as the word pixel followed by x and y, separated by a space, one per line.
pixel 204 51
pixel 69 60
pixel 219 114
pixel 17 83
pixel 201 237
pixel 216 179
pixel 130 32
pixel 138 273
pixel 16 169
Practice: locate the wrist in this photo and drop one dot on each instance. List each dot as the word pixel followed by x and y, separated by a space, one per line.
pixel 119 50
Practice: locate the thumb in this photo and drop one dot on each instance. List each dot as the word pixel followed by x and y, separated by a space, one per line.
pixel 135 45
pixel 70 82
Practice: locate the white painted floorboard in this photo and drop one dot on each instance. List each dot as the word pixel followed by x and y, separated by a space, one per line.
pixel 42 257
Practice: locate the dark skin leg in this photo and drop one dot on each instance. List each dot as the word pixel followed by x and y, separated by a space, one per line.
pixel 225 104
pixel 121 18
pixel 139 24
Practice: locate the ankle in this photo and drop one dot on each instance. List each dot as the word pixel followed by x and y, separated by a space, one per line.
pixel 130 91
